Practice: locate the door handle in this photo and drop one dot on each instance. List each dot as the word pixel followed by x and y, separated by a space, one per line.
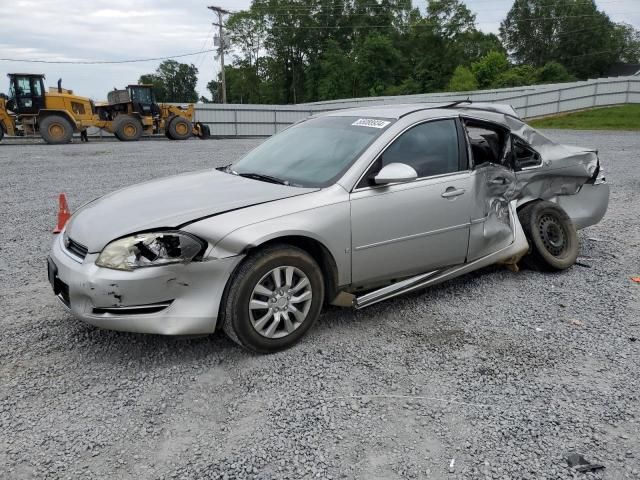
pixel 498 181
pixel 452 192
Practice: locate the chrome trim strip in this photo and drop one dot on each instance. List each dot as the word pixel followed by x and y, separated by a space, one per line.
pixel 411 237
pixel 394 288
pixel 138 307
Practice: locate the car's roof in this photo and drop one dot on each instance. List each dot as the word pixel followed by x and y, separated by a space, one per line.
pixel 397 111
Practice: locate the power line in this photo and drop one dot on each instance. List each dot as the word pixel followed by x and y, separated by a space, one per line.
pixel 104 62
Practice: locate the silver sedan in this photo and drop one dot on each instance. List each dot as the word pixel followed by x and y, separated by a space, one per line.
pixel 350 208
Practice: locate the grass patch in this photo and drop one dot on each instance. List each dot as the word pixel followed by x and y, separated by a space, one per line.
pixel 625 117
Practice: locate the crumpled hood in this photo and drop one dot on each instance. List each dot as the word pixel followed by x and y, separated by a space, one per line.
pixel 168 203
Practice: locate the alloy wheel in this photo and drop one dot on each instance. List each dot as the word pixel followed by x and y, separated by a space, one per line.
pixel 280 302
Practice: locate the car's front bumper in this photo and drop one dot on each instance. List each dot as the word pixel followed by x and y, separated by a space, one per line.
pixel 170 300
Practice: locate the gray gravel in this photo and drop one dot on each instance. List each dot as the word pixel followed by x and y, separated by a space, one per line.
pixel 504 372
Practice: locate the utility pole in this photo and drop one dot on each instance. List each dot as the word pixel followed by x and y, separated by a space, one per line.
pixel 221 12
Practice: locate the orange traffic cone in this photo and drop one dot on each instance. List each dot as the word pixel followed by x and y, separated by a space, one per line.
pixel 63 213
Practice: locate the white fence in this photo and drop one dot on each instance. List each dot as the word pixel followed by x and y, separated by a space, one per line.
pixel 529 102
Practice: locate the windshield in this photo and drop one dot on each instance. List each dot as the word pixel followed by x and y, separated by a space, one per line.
pixel 313 153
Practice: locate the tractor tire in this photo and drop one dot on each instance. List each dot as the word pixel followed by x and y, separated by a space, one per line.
pixel 166 126
pixel 180 128
pixel 127 128
pixel 205 133
pixel 552 236
pixel 56 130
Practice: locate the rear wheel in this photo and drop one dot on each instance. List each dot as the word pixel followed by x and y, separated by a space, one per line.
pixel 56 129
pixel 127 128
pixel 180 128
pixel 273 299
pixel 552 236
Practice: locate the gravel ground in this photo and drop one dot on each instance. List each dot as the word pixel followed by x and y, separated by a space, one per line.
pixel 493 375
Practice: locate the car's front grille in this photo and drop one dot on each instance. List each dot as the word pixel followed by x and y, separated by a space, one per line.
pixel 76 248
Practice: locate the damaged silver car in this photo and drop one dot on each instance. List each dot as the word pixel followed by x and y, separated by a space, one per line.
pixel 349 207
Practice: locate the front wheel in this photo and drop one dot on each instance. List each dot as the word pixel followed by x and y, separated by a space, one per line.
pixel 273 299
pixel 180 128
pixel 552 236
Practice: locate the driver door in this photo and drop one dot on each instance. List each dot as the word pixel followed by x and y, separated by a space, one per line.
pixel 404 229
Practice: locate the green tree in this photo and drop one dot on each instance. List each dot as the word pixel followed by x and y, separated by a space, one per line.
pixel 489 68
pixel 335 75
pixel 173 82
pixel 572 32
pixel 463 80
pixel 517 76
pixel 376 65
pixel 553 72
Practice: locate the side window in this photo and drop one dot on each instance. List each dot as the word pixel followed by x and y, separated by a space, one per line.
pixel 24 86
pixel 524 156
pixel 431 148
pixel 37 90
pixel 489 144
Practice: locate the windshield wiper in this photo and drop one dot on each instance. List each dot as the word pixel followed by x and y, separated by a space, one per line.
pixel 263 178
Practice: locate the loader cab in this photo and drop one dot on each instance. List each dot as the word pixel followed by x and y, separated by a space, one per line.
pixel 143 99
pixel 26 93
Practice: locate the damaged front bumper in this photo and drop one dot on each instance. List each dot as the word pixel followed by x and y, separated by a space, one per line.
pixel 179 299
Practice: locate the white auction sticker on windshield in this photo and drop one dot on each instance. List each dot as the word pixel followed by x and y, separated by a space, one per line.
pixel 370 122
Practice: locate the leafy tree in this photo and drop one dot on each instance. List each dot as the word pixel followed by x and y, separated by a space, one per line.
pixel 214 88
pixel 553 72
pixel 462 80
pixel 572 32
pixel 628 40
pixel 335 73
pixel 376 62
pixel 489 68
pixel 173 82
pixel 516 77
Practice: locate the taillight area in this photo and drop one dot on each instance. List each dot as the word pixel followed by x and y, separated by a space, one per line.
pixel 598 177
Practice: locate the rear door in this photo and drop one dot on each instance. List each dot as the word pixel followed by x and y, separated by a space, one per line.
pixel 408 228
pixel 494 184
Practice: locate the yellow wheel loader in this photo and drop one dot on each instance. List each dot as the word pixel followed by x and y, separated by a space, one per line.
pixel 132 112
pixel 55 115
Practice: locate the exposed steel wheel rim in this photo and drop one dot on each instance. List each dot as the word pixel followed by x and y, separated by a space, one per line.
pixel 130 130
pixel 56 130
pixel 181 128
pixel 553 235
pixel 280 302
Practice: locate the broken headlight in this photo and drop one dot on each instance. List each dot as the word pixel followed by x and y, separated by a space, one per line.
pixel 149 250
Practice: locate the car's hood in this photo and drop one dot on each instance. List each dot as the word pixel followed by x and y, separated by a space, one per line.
pixel 168 203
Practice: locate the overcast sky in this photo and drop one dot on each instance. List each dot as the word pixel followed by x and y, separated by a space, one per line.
pixel 123 29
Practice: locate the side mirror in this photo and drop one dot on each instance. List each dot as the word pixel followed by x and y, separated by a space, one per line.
pixel 395 173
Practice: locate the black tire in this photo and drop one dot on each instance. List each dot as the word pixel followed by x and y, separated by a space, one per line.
pixel 180 128
pixel 1 131
pixel 127 128
pixel 238 319
pixel 205 133
pixel 166 126
pixel 552 237
pixel 56 129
